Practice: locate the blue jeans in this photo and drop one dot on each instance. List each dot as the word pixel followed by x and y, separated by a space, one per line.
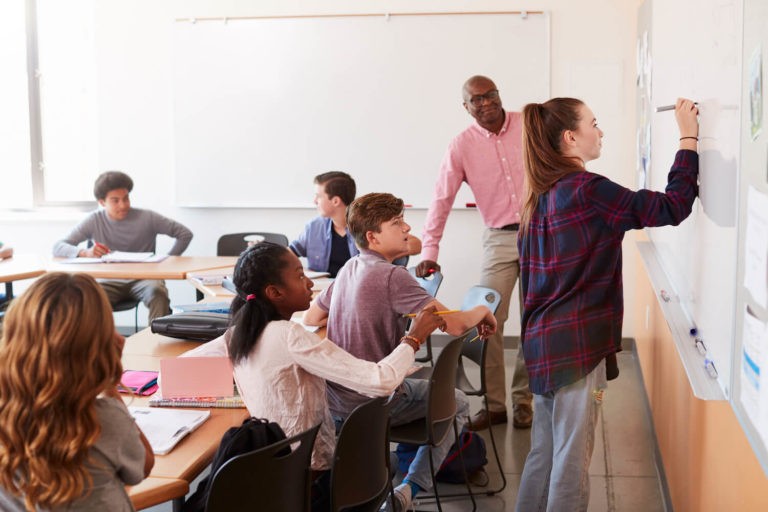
pixel 410 405
pixel 556 473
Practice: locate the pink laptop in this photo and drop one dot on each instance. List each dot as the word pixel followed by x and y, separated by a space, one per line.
pixel 193 377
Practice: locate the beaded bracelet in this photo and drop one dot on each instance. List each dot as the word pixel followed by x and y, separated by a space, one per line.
pixel 694 138
pixel 412 341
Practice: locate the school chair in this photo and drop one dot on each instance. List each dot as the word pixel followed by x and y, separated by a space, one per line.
pixel 233 244
pixel 430 284
pixel 275 478
pixel 361 476
pixel 123 305
pixel 440 414
pixel 475 351
pixel 127 305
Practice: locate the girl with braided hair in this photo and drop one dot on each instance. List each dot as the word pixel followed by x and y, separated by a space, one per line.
pixel 280 368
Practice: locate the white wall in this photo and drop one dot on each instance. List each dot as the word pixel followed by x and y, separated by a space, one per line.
pixel 592 42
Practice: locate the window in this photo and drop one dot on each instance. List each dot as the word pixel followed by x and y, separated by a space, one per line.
pixel 14 108
pixel 49 102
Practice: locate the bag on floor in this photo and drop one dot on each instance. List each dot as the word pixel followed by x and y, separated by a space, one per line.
pixel 472 448
pixel 253 434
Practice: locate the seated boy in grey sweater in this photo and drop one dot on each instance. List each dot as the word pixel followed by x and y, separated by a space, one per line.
pixel 118 227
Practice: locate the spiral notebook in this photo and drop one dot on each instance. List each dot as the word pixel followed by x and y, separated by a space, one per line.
pixel 182 385
pixel 224 402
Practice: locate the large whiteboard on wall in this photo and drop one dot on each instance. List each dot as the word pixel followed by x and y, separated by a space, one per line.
pixel 700 255
pixel 263 105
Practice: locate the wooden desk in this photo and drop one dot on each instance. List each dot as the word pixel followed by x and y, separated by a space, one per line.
pixel 18 267
pixel 21 266
pixel 172 473
pixel 211 290
pixel 153 491
pixel 173 267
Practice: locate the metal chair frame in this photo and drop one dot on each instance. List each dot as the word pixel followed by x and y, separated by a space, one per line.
pixel 476 352
pixel 440 415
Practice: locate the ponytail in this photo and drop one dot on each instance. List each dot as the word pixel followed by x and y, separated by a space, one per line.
pixel 256 268
pixel 543 126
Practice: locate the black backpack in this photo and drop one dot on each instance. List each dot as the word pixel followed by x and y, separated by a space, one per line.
pixel 253 434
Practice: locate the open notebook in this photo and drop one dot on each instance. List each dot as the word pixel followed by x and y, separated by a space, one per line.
pixel 164 428
pixel 121 257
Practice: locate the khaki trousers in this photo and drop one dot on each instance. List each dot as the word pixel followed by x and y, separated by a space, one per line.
pixel 500 271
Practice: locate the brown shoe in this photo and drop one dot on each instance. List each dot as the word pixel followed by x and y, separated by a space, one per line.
pixel 522 416
pixel 483 418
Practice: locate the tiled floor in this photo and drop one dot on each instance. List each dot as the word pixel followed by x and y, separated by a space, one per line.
pixel 622 474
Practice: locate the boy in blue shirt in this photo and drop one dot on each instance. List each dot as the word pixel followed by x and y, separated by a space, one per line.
pixel 325 241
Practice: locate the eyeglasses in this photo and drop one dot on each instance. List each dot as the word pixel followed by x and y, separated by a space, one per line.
pixel 476 101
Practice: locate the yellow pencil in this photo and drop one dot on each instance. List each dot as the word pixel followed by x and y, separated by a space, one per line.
pixel 447 311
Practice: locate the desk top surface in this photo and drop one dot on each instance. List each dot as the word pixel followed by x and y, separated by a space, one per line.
pixel 173 267
pixel 21 266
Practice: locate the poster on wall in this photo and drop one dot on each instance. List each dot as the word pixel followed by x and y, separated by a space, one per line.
pixel 756 92
pixel 756 247
pixel 754 388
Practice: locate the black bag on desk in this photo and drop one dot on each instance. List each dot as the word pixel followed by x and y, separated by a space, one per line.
pixel 199 326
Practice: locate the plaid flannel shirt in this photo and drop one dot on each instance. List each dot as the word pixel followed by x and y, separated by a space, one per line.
pixel 570 267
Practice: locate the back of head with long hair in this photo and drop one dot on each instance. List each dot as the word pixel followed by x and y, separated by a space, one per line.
pixel 256 268
pixel 57 353
pixel 545 164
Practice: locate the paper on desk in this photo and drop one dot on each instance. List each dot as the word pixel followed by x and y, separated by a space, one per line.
pixel 121 257
pixel 164 428
pixel 313 274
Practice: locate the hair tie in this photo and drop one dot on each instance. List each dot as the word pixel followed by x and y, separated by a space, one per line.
pixel 250 297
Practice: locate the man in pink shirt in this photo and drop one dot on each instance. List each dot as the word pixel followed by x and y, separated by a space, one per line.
pixel 488 157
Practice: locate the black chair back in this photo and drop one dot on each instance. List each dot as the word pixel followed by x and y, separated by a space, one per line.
pixel 233 244
pixel 360 476
pixel 275 478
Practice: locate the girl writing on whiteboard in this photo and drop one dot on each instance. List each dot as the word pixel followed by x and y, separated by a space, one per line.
pixel 572 227
pixel 67 441
pixel 281 368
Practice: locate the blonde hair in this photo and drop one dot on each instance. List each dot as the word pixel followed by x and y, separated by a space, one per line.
pixel 57 352
pixel 545 164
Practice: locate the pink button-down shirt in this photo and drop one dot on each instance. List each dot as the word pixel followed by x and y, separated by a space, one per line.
pixel 492 166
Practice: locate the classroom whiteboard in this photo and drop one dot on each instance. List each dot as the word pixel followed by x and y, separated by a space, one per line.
pixel 696 51
pixel 261 106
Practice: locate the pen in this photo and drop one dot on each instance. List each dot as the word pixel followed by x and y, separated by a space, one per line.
pixel 447 311
pixel 670 107
pixel 146 386
pixel 104 247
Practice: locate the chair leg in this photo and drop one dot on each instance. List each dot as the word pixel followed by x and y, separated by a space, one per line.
pixel 464 467
pixel 434 481
pixel 496 455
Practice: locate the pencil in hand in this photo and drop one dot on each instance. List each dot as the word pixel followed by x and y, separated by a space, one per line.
pixel 446 312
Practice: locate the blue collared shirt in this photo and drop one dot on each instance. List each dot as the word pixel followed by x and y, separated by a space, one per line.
pixel 314 243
